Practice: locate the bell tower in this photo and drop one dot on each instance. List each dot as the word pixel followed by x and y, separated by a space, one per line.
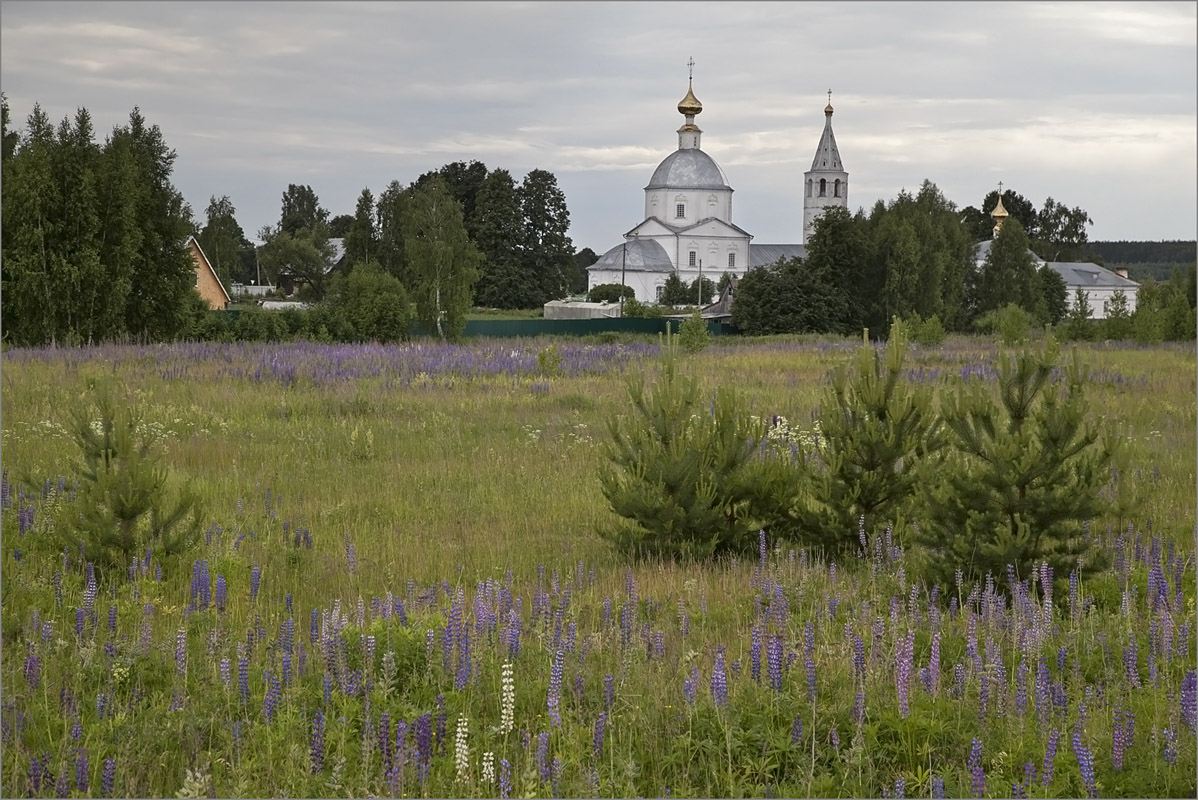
pixel 826 184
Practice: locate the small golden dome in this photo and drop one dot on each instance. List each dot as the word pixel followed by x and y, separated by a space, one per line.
pixel 999 211
pixel 828 109
pixel 690 105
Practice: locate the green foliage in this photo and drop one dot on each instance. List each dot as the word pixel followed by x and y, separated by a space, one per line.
pixel 926 332
pixel 1025 472
pixel 548 250
pixel 786 298
pixel 1055 293
pixel 361 234
pixel 609 293
pixel 675 292
pixel 94 236
pixel 1078 327
pixel 680 472
pixel 124 504
pixel 693 334
pixel 223 241
pixel 1117 324
pixel 636 309
pixel 549 361
pixel 301 210
pixel 302 258
pixel 1008 274
pixel 1012 324
pixel 369 305
pixel 876 438
pixel 257 325
pixel 505 280
pixel 441 262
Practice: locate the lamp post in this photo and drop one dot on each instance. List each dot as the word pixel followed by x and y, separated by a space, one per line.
pixel 700 283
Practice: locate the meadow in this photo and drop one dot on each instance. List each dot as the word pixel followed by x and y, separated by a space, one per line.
pixel 402 591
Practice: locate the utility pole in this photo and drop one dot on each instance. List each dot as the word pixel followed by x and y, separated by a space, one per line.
pixel 700 282
pixel 623 266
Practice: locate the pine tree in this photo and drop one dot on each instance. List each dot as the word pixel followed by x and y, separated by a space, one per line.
pixel 547 246
pixel 1118 317
pixel 1077 325
pixel 682 473
pixel 1008 274
pixel 505 280
pixel 1023 473
pixel 362 238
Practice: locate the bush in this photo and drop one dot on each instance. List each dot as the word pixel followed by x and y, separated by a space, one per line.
pixel 1011 322
pixel 123 506
pixel 609 293
pixel 1026 470
pixel 635 308
pixel 369 305
pixel 681 473
pixel 693 334
pixel 926 332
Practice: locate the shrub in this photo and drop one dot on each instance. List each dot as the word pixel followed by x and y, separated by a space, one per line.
pixel 123 505
pixel 549 361
pixel 1011 322
pixel 369 305
pixel 1026 469
pixel 609 293
pixel 693 334
pixel 680 473
pixel 927 332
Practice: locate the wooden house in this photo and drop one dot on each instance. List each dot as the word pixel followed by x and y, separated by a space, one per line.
pixel 208 283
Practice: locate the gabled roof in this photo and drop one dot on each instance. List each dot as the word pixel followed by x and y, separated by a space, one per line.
pixel 764 255
pixel 718 221
pixel 208 266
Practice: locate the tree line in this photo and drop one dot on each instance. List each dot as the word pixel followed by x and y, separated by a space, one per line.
pixel 94 241
pixel 94 235
pixel 916 258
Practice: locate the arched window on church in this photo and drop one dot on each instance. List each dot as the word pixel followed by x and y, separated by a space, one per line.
pixel 809 185
pixel 823 187
pixel 693 258
pixel 836 188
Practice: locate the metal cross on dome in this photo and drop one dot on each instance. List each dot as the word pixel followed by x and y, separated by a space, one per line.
pixel 1000 188
pixel 690 67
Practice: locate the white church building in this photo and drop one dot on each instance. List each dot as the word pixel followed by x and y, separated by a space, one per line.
pixel 687 226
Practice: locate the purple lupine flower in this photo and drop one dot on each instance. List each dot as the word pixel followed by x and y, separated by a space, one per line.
pixel 62 788
pixel 505 779
pixel 424 743
pixel 809 638
pixel 556 777
pixel 859 708
pixel 719 681
pixel 1118 745
pixel 1085 763
pixel 82 777
pixel 1050 755
pixel 834 736
pixel 904 658
pixel 755 654
pixel 243 677
pixel 270 702
pixel 609 691
pixel 977 774
pixel 900 788
pixel 225 675
pixel 796 731
pixel 555 687
pixel 1170 753
pixel 542 756
pixel 774 658
pixel 441 720
pixel 761 549
pixel 181 652
pixel 255 580
pixel 606 611
pixel 690 685
pixel 33 669
pixel 108 778
pixel 112 618
pixel 1189 699
pixel 858 657
pixel 809 664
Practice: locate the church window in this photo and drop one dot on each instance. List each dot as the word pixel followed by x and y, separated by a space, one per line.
pixel 680 211
pixel 809 182
pixel 823 187
pixel 732 261
pixel 836 188
pixel 693 258
pixel 658 291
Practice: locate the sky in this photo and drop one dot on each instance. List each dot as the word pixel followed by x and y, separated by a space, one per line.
pixel 1092 104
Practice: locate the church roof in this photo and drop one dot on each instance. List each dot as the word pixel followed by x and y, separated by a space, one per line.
pixel 827 157
pixel 1082 274
pixel 688 168
pixel 635 255
pixel 764 255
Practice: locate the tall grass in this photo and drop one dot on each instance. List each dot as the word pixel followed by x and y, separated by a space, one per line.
pixel 433 506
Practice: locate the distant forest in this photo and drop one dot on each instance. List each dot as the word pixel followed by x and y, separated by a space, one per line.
pixel 1156 260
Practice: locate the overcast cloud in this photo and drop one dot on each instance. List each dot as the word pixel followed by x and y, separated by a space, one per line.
pixel 1093 104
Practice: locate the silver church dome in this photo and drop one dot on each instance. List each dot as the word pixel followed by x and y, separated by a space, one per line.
pixel 688 168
